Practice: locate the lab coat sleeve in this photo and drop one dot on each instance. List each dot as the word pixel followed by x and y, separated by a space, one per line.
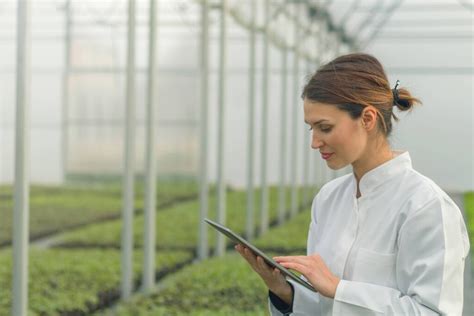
pixel 305 301
pixel 432 247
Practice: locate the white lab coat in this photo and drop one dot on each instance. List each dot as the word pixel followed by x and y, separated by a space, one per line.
pixel 399 249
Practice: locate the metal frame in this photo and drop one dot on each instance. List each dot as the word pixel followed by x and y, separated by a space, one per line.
pixel 264 196
pixel 148 278
pixel 129 154
pixel 283 136
pixel 295 122
pixel 22 155
pixel 221 186
pixel 250 226
pixel 203 247
pixel 66 83
pixel 299 53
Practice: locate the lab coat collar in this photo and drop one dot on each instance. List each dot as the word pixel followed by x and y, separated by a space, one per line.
pixel 375 177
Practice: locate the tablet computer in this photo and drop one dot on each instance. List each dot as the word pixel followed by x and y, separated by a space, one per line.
pixel 236 238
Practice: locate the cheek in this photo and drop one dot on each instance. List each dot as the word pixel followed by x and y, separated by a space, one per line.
pixel 338 138
pixel 346 139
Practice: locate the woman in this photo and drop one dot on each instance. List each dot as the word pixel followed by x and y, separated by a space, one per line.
pixel 384 239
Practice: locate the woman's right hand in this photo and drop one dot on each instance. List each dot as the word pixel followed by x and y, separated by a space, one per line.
pixel 272 277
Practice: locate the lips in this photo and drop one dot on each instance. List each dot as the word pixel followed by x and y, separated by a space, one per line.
pixel 326 155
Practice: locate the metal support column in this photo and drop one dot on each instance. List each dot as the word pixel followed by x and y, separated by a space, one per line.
pixel 250 226
pixel 128 177
pixel 263 163
pixel 307 151
pixel 294 151
pixel 66 89
pixel 22 158
pixel 148 278
pixel 203 249
pixel 221 186
pixel 283 136
pixel 320 50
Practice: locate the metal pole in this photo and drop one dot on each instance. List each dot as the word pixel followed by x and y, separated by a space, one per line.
pixel 320 50
pixel 65 86
pixel 294 151
pixel 221 193
pixel 250 226
pixel 148 280
pixel 370 17
pixel 349 14
pixel 283 135
pixel 388 13
pixel 128 180
pixel 313 153
pixel 263 163
pixel 306 155
pixel 313 170
pixel 337 45
pixel 323 36
pixel 203 181
pixel 22 139
pixel 334 53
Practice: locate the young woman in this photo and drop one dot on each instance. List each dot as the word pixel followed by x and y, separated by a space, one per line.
pixel 384 239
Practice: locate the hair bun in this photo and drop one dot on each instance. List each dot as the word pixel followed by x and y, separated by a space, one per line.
pixel 402 104
pixel 402 99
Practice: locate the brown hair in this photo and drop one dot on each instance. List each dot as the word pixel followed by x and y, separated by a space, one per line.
pixel 354 81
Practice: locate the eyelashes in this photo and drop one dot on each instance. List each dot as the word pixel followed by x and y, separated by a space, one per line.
pixel 324 130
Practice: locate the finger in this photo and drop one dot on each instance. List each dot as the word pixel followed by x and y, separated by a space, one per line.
pixel 298 259
pixel 243 253
pixel 298 267
pixel 250 257
pixel 262 264
pixel 285 258
pixel 238 247
pixel 276 273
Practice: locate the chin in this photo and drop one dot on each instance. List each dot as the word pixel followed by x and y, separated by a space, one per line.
pixel 336 167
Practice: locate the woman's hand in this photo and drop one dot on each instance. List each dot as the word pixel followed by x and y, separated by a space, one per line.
pixel 315 271
pixel 274 280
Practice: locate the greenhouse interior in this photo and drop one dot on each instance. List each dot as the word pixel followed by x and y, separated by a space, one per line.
pixel 126 123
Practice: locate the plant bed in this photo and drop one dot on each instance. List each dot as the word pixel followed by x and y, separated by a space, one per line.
pixel 76 282
pixel 176 227
pixel 291 236
pixel 58 209
pixel 469 209
pixel 219 286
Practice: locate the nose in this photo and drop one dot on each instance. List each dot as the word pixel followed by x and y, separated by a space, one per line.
pixel 316 142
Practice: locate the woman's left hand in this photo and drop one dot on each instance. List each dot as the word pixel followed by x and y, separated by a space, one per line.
pixel 315 271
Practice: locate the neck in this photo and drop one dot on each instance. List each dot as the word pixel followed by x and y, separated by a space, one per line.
pixel 371 159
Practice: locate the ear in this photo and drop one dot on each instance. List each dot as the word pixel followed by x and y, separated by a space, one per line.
pixel 369 118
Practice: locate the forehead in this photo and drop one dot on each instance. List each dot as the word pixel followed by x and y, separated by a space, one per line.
pixel 315 111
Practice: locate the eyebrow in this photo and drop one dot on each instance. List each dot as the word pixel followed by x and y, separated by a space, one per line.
pixel 317 122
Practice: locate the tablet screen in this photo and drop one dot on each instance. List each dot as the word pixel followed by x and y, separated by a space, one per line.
pixel 238 239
